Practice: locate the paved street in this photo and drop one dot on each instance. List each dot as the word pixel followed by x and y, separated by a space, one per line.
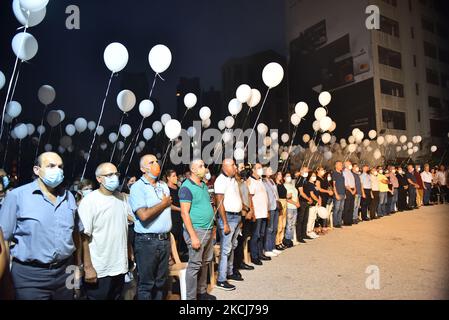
pixel 410 249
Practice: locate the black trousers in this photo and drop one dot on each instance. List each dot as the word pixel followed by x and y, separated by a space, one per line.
pixel 239 251
pixel 374 205
pixel 301 221
pixel 402 199
pixel 178 232
pixel 107 288
pixel 365 203
pixel 348 209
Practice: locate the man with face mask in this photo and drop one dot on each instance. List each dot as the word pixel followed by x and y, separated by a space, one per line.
pixel 420 188
pixel 150 201
pixel 358 195
pixel 348 209
pixel 104 213
pixel 303 211
pixel 198 216
pixel 412 186
pixel 41 219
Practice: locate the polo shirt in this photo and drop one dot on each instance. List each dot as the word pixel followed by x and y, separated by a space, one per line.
pixel 229 188
pixel 411 176
pixel 339 183
pixel 383 187
pixel 366 180
pixel 349 178
pixel 201 211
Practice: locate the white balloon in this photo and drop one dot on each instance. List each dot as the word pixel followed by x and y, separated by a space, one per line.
pixel 80 125
pixel 325 123
pixel 324 98
pixel 159 58
pixel 377 154
pixel 262 128
pixel 205 113
pixel 267 141
pixel 125 130
pixel 323 213
pixel 326 138
pixel 284 155
pixel 2 80
pixel 301 109
pixel 243 93
pixel 360 136
pixel 138 149
pixel 191 131
pixel 21 131
pixel 30 128
pixel 433 148
pixel 120 145
pixel 221 124
pixel 116 57
pixel 234 107
pixel 48 147
pixel 285 137
pixel 165 118
pixel 255 98
pixel 103 146
pixel 70 130
pixel 410 152
pixel 404 147
pixel 91 125
pixel 126 100
pixel 142 144
pixel 53 118
pixel 372 134
pixel 227 136
pixel 333 126
pixel 316 125
pixel 239 154
pixel 40 130
pixel 112 137
pixel 206 123
pixel 100 130
pixel 380 140
pixel 65 141
pixel 61 149
pixel 295 119
pixel 418 139
pixel 306 138
pixel 352 148
pixel 320 113
pixel 398 149
pixel 229 122
pixel 33 5
pixel 403 139
pixel 13 109
pixel 61 114
pixel 272 74
pixel 410 145
pixel 415 149
pixel 351 139
pixel 355 131
pixel 190 100
pixel 32 20
pixel 24 46
pixel 274 135
pixel 366 142
pixel 157 126
pixel 147 134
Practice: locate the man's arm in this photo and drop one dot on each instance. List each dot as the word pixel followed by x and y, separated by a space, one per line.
pixel 185 214
pixel 149 214
pixel 90 274
pixel 219 198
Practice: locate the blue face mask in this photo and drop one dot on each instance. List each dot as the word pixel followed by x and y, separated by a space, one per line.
pixel 5 182
pixel 86 192
pixel 53 177
pixel 111 183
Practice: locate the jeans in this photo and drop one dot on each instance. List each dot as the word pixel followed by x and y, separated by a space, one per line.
pixel 257 239
pixel 427 193
pixel 152 257
pixel 106 288
pixel 272 228
pixel 365 203
pixel 394 200
pixel 411 197
pixel 196 274
pixel 228 243
pixel 291 223
pixel 382 208
pixel 33 283
pixel 357 199
pixel 338 210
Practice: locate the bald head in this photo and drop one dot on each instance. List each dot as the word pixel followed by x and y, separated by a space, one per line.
pixel 147 160
pixel 228 167
pixel 46 158
pixel 105 169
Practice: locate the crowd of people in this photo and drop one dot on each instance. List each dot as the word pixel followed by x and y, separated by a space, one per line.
pixel 115 234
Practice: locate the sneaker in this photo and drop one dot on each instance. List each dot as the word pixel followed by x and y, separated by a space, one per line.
pixel 235 277
pixel 206 296
pixel 224 285
pixel 278 252
pixel 270 254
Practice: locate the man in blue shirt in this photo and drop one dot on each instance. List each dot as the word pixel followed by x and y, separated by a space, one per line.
pixel 339 193
pixel 150 201
pixel 412 186
pixel 39 221
pixel 358 194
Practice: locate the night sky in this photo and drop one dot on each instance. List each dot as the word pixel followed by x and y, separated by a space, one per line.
pixel 202 35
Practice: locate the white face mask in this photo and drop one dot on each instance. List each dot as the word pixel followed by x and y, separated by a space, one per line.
pixel 350 167
pixel 329 178
pixel 259 172
pixel 393 171
pixel 305 174
pixel 381 171
pixel 288 179
pixel 208 176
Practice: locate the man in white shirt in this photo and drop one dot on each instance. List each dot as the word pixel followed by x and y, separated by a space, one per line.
pixel 259 205
pixel 441 177
pixel 104 214
pixel 229 204
pixel 426 177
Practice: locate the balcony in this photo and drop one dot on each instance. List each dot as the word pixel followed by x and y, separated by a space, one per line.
pixel 393 103
pixel 390 73
pixel 386 40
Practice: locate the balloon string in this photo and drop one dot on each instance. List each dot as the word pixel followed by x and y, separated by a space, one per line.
pixel 305 158
pixel 19 160
pixel 134 138
pixel 154 83
pixel 135 145
pixel 165 157
pixel 16 80
pixel 118 132
pixel 257 119
pixel 98 124
pixel 7 146
pixel 183 117
pixel 12 77
pixel 289 150
pixel 244 124
pixel 40 134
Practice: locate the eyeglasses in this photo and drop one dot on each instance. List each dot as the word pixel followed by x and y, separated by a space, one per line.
pixel 110 175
